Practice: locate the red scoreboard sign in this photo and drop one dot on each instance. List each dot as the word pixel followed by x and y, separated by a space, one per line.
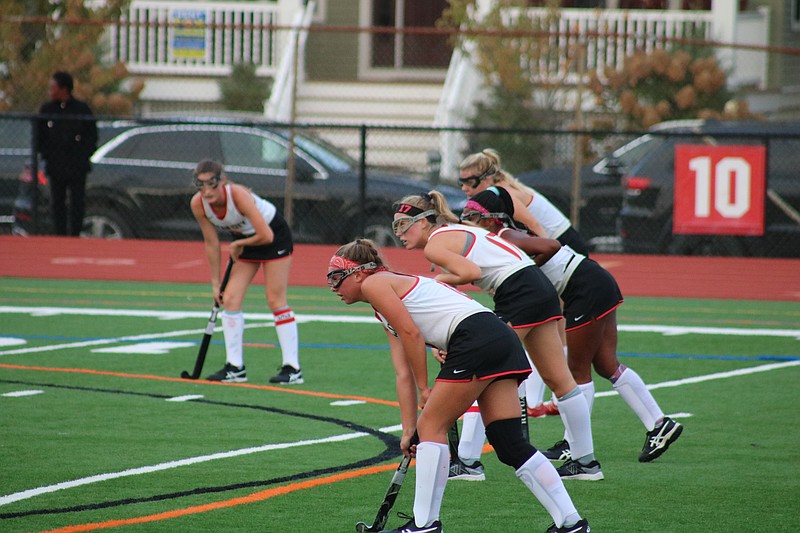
pixel 719 189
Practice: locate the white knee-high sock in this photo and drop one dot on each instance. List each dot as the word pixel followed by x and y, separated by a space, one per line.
pixel 433 462
pixel 575 414
pixel 286 328
pixel 473 435
pixel 534 389
pixel 633 390
pixel 233 329
pixel 541 478
pixel 588 392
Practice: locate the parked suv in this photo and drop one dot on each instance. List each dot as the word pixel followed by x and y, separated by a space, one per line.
pixel 648 173
pixel 601 198
pixel 140 185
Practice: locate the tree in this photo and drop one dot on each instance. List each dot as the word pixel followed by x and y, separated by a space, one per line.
pixel 667 85
pixel 39 37
pixel 508 47
pixel 243 90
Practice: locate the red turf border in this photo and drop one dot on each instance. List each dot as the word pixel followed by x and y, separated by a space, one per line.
pixel 181 261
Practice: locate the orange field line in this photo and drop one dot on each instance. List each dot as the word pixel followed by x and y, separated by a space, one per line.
pixel 204 382
pixel 251 498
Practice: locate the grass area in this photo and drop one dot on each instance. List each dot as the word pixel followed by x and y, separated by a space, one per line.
pixel 106 358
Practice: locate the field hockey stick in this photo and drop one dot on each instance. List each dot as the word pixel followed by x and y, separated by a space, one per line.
pixel 523 403
pixel 212 323
pixel 391 495
pixel 452 441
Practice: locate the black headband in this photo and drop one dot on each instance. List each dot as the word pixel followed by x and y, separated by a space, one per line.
pixel 408 209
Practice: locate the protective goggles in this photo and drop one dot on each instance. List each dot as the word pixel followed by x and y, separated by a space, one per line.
pixel 212 182
pixel 403 224
pixel 474 181
pixel 476 216
pixel 337 277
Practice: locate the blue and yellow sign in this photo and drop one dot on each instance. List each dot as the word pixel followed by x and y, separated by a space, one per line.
pixel 189 34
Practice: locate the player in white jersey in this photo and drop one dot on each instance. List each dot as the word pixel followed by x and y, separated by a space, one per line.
pixel 261 237
pixel 482 170
pixel 591 296
pixel 484 362
pixel 523 298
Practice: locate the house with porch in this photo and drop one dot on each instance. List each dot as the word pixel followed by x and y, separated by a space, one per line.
pixel 379 62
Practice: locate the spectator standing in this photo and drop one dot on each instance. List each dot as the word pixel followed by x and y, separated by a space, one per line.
pixel 66 141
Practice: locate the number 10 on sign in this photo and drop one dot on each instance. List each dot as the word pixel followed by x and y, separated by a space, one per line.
pixel 719 190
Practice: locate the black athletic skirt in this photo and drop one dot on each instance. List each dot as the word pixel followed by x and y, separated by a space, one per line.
pixel 483 347
pixel 591 293
pixel 527 299
pixel 281 246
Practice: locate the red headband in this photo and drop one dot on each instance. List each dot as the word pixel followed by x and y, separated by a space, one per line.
pixel 472 204
pixel 338 262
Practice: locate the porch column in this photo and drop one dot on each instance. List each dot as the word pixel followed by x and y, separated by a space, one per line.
pixel 724 14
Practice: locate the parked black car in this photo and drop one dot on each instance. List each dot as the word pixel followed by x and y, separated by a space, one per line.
pixel 140 185
pixel 645 220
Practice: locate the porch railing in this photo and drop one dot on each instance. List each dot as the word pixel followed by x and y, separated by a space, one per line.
pixel 196 38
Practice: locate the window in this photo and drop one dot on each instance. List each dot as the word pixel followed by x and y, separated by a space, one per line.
pixel 185 146
pixel 251 150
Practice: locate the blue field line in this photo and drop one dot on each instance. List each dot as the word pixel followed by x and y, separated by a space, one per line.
pixel 333 346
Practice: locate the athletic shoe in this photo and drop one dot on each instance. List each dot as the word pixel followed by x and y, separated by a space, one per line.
pixel 411 527
pixel 581 526
pixel 461 470
pixel 659 439
pixel 574 470
pixel 543 409
pixel 287 375
pixel 229 374
pixel 558 451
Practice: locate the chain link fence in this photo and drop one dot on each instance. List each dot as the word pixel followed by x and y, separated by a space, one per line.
pixel 730 200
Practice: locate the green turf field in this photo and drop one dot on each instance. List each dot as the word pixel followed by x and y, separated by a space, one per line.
pixel 98 431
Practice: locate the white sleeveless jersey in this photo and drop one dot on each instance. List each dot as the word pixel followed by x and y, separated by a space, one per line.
pixel 497 258
pixel 234 221
pixel 560 267
pixel 437 309
pixel 552 220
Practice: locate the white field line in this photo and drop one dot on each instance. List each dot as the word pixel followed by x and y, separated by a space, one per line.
pixel 30 493
pixel 179 315
pixel 25 494
pixel 176 315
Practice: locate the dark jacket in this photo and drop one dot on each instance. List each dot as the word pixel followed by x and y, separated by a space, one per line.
pixel 66 144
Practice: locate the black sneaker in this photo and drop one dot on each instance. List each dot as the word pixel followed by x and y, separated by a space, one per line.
pixel 411 527
pixel 574 470
pixel 287 375
pixel 461 470
pixel 229 374
pixel 659 439
pixel 558 451
pixel 581 526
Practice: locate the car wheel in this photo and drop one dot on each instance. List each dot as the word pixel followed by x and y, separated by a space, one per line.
pixel 706 245
pixel 105 223
pixel 379 230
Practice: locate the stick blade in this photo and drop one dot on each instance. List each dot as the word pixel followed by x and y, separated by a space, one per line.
pixel 186 375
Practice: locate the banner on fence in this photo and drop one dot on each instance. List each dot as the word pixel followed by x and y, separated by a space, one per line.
pixel 189 34
pixel 719 189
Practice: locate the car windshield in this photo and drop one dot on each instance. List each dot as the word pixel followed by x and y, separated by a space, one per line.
pixel 333 158
pixel 635 150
